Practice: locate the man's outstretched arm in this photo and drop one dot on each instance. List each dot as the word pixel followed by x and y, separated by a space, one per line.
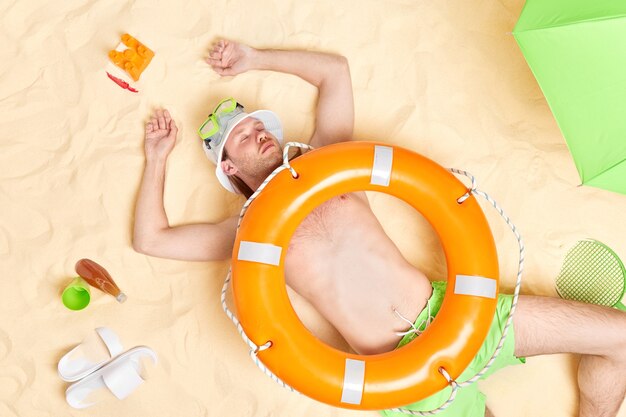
pixel 329 73
pixel 152 233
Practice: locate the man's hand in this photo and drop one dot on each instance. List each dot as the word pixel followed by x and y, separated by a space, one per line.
pixel 330 73
pixel 230 58
pixel 161 133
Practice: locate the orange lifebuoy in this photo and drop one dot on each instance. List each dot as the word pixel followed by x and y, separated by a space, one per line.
pixel 326 374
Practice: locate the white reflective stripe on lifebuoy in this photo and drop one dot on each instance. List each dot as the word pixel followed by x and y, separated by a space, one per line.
pixel 475 285
pixel 381 170
pixel 264 253
pixel 353 382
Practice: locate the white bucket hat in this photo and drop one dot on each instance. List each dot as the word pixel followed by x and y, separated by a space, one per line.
pixel 214 147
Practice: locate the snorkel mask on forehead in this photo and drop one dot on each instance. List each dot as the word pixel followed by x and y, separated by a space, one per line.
pixel 217 127
pixel 212 130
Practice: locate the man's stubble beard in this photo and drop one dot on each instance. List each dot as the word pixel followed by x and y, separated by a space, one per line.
pixel 262 166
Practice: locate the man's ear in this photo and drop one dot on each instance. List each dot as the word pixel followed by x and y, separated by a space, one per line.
pixel 228 167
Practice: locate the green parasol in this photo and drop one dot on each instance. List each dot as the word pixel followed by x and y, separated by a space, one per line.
pixel 577 51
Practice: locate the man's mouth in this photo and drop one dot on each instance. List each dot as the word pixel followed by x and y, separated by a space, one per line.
pixel 266 146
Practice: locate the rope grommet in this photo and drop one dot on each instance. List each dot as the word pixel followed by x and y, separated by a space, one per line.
pixel 446 375
pixel 471 190
pixel 464 197
pixel 263 347
pixel 286 163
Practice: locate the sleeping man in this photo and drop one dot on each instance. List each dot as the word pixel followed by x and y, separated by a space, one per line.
pixel 376 292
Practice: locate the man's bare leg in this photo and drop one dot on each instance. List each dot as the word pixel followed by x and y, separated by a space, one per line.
pixel 546 325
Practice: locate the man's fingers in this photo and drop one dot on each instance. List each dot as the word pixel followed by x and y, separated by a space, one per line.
pixel 223 71
pixel 214 62
pixel 149 127
pixel 155 123
pixel 218 48
pixel 168 117
pixel 173 127
pixel 217 59
pixel 161 119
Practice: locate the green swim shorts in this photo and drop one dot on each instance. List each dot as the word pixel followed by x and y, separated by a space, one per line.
pixel 469 401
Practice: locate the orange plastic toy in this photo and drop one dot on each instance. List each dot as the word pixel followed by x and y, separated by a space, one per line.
pixel 133 60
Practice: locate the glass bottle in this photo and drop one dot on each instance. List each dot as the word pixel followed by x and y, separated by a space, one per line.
pixel 98 277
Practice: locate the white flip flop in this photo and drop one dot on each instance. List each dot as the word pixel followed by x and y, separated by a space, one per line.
pixel 121 376
pixel 87 357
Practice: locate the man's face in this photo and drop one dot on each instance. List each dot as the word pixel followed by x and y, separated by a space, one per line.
pixel 252 151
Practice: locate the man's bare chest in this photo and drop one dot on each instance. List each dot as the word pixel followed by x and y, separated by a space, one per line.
pixel 328 221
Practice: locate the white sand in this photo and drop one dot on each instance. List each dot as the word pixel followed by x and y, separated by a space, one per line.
pixel 441 78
